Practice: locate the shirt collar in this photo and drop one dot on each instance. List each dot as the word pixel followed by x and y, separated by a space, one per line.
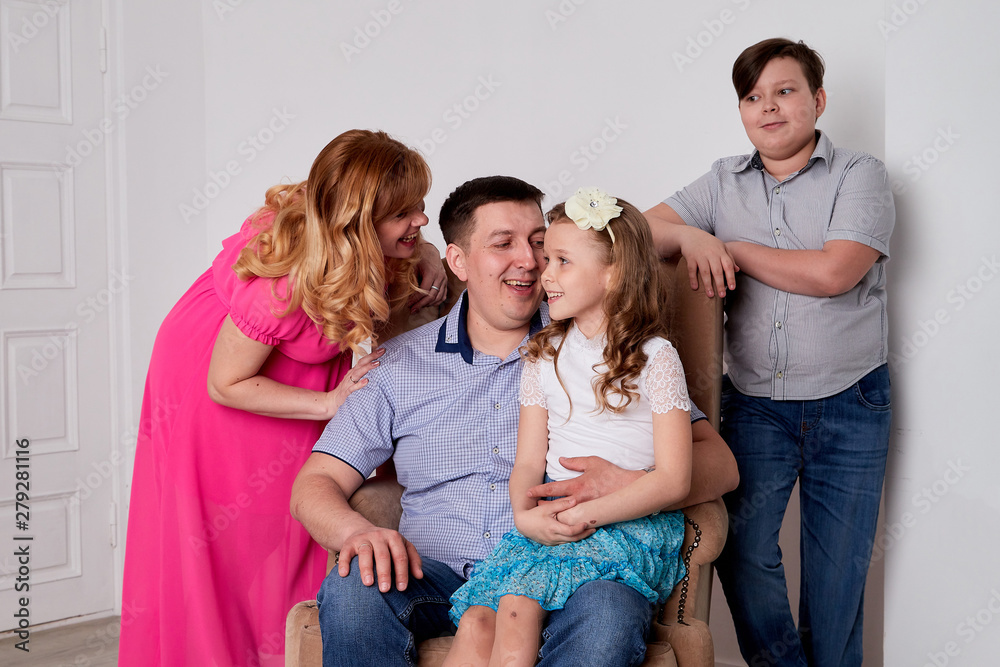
pixel 822 151
pixel 454 335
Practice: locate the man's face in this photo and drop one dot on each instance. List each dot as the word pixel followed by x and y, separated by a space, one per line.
pixel 501 265
pixel 780 112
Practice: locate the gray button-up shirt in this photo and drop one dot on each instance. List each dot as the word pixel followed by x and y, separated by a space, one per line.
pixel 790 346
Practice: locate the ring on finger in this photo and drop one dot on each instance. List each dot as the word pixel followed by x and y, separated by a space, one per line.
pixel 365 544
pixel 354 381
pixel 435 287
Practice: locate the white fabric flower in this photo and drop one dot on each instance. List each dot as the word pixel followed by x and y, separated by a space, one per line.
pixel 592 208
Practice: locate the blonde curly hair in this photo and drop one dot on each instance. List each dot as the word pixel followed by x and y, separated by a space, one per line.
pixel 320 233
pixel 631 308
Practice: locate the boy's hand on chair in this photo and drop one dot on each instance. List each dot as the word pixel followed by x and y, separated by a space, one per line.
pixel 541 525
pixel 379 552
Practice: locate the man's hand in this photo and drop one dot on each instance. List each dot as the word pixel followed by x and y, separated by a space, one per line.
pixel 541 525
pixel 380 551
pixel 599 478
pixel 433 278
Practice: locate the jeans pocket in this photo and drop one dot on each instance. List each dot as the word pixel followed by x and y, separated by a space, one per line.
pixel 873 390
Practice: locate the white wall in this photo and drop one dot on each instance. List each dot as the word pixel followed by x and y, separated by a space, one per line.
pixel 560 74
pixel 942 587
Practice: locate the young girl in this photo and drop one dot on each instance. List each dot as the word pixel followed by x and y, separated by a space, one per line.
pixel 601 379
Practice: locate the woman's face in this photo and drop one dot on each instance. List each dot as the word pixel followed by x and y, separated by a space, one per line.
pixel 398 235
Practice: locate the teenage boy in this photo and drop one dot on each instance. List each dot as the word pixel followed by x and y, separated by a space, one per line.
pixel 807 226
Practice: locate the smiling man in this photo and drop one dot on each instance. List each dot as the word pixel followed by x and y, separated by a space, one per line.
pixel 443 405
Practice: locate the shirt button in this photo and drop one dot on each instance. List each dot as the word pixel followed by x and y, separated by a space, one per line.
pixel 780 375
pixel 777 189
pixel 493 487
pixel 496 406
pixel 496 450
pixel 486 534
pixel 777 232
pixel 777 325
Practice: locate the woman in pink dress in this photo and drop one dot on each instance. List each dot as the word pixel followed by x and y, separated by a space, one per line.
pixel 245 371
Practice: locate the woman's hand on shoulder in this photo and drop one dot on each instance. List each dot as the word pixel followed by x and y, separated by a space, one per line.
pixel 433 278
pixel 540 523
pixel 354 380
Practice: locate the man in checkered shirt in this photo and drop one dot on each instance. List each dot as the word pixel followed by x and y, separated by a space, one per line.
pixel 443 405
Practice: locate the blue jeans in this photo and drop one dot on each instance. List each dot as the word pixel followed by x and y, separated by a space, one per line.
pixel 836 448
pixel 604 623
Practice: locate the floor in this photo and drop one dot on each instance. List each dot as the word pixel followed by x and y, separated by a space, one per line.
pixel 94 644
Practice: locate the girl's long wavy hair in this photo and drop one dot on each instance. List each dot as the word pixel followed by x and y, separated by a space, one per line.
pixel 321 234
pixel 631 308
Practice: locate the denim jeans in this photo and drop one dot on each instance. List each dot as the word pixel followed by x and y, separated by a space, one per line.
pixel 836 448
pixel 604 623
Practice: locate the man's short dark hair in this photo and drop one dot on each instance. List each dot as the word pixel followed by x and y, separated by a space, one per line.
pixel 458 211
pixel 753 60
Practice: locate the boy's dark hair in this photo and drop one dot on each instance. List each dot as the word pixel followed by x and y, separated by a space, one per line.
pixel 747 68
pixel 458 210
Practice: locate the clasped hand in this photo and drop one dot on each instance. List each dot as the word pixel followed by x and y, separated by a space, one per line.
pixel 552 522
pixel 380 552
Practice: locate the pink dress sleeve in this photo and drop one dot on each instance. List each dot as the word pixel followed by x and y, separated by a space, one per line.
pixel 254 310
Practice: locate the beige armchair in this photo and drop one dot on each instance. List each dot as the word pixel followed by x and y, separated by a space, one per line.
pixel 680 634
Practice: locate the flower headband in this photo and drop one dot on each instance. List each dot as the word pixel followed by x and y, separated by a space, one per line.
pixel 592 208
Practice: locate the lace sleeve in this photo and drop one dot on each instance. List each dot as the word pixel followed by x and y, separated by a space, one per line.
pixel 665 382
pixel 531 384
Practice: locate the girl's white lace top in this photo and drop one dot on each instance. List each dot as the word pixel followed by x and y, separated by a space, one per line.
pixel 625 439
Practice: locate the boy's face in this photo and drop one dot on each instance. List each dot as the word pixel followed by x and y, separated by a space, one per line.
pixel 780 112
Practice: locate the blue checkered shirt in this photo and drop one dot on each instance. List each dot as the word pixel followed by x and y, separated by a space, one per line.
pixel 447 414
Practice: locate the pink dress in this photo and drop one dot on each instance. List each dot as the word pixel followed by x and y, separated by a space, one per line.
pixel 214 559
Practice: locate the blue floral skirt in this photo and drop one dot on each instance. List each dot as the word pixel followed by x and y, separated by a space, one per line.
pixel 643 553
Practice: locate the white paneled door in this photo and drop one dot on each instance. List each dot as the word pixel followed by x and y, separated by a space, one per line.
pixel 58 461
